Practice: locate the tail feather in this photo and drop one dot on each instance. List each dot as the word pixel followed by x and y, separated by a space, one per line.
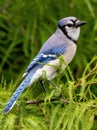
pixel 17 94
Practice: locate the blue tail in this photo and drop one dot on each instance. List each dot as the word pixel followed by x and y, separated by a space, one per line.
pixel 17 94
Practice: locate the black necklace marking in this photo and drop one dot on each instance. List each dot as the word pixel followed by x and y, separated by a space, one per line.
pixel 65 32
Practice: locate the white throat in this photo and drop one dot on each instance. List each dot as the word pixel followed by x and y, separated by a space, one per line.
pixel 73 33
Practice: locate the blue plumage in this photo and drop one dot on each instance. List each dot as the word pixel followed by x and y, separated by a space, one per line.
pixel 37 63
pixel 45 56
pixel 16 94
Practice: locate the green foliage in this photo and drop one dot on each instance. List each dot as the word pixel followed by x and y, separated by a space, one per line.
pixel 72 105
pixel 24 26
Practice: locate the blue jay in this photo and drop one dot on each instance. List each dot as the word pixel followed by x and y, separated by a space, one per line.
pixel 62 42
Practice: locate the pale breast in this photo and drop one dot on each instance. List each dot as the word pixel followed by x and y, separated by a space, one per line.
pixel 70 53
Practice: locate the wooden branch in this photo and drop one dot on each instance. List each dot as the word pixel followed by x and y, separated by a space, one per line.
pixel 60 99
pixel 34 102
pixel 41 101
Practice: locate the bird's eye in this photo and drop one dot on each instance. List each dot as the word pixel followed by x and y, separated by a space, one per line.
pixel 69 25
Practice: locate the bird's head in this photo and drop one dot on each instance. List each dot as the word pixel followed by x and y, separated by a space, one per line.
pixel 70 26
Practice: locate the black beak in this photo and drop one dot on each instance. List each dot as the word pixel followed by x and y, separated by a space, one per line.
pixel 81 23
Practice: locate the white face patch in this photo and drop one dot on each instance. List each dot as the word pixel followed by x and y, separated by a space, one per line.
pixel 73 32
pixel 69 22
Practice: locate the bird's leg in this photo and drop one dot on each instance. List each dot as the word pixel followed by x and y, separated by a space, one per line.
pixel 42 82
pixel 51 82
pixel 57 89
pixel 43 85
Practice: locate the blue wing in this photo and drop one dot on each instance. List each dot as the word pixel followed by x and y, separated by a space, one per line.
pixel 45 56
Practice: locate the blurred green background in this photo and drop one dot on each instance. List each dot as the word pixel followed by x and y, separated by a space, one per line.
pixel 26 24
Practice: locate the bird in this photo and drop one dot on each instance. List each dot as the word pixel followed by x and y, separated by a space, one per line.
pixel 63 42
